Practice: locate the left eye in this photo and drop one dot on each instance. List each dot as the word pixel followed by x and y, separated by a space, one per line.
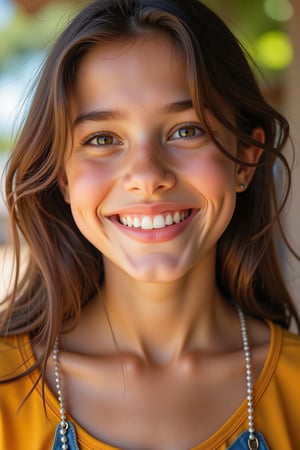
pixel 187 131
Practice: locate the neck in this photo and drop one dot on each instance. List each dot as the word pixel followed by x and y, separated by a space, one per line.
pixel 160 321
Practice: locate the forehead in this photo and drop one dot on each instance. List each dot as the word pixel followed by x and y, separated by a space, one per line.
pixel 148 70
pixel 152 61
pixel 147 44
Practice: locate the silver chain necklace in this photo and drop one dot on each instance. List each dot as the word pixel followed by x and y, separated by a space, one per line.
pixel 252 440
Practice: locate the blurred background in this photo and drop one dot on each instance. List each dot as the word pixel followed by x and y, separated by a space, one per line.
pixel 268 29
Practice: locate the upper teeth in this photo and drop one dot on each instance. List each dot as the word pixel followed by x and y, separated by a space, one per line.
pixel 151 222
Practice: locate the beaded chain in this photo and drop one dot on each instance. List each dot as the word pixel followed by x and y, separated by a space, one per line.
pixel 252 440
pixel 63 422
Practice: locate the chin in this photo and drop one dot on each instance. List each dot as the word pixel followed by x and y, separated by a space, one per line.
pixel 158 274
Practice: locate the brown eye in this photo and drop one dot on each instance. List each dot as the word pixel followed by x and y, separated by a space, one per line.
pixel 187 132
pixel 102 139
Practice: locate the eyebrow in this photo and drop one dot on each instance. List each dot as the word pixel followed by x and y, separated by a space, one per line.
pixel 178 106
pixel 98 116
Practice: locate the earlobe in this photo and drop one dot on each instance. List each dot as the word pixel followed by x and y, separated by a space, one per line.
pixel 251 155
pixel 63 186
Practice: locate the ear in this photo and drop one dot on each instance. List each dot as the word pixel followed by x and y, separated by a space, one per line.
pixel 63 185
pixel 244 174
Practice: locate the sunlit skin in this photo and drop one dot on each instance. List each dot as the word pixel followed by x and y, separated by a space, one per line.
pixel 140 155
pixel 132 160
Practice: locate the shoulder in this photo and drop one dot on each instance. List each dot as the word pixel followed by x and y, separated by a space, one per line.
pixel 14 354
pixel 13 386
pixel 21 404
pixel 289 357
pixel 283 357
pixel 277 413
pixel 290 339
pixel 280 376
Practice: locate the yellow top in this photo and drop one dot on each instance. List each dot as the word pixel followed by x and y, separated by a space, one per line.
pixel 276 402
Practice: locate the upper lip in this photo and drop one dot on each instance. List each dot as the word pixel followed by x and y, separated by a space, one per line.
pixel 150 209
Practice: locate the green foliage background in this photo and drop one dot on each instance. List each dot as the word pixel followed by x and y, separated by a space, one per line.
pixel 26 34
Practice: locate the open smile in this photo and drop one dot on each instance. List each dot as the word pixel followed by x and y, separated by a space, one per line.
pixel 157 221
pixel 155 226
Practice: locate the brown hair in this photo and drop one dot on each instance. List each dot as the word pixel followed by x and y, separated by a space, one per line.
pixel 64 270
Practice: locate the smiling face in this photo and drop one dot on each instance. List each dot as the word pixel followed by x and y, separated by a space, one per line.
pixel 145 183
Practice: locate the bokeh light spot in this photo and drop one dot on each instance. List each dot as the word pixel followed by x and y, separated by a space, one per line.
pixel 280 10
pixel 274 50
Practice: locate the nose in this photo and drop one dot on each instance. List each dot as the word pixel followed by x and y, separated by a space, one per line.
pixel 148 171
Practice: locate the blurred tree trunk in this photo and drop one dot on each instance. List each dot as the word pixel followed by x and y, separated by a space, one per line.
pixel 292 110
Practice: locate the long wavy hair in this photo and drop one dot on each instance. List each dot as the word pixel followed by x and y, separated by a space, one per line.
pixel 64 270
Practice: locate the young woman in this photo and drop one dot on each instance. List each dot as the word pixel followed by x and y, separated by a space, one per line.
pixel 152 314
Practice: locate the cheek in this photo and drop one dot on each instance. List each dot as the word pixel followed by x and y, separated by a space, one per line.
pixel 212 172
pixel 88 182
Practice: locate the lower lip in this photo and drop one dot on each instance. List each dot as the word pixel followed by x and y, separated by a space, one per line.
pixel 156 234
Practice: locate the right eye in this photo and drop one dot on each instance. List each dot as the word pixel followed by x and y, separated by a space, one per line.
pixel 102 139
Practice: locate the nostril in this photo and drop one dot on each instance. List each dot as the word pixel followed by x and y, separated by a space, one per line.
pixel 148 181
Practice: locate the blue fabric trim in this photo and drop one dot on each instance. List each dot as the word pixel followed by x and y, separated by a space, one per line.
pixel 241 443
pixel 71 435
